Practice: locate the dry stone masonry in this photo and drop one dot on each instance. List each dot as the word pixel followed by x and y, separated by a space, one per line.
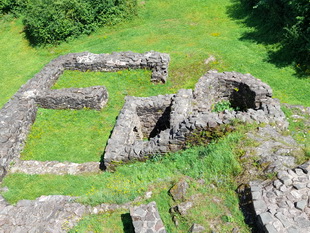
pixel 147 126
pixel 160 124
pixel 19 113
pixel 275 150
pixel 45 214
pixel 94 97
pixel 146 219
pixel 284 205
pixel 50 214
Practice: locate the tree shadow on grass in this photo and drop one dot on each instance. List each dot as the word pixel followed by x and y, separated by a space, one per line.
pixel 269 31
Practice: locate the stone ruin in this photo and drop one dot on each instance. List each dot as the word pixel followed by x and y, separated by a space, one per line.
pixel 283 205
pixel 146 219
pixel 147 126
pixel 159 124
pixel 19 113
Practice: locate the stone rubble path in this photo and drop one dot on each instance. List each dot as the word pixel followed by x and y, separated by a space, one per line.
pixel 48 214
pixel 53 167
pixel 284 204
pixel 274 148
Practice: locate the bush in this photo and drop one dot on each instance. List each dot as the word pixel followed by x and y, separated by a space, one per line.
pixel 48 21
pixel 15 7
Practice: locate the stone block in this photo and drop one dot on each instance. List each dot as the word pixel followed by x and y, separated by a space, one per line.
pixel 270 228
pixel 301 205
pixel 183 207
pixel 286 180
pixel 178 191
pixel 265 218
pixel 145 219
pixel 196 228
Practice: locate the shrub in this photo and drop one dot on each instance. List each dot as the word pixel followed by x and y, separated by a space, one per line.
pixel 48 21
pixel 13 6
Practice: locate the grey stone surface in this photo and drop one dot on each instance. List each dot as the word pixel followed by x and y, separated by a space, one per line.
pixel 45 214
pixel 49 214
pixel 183 207
pixel 196 228
pixel 146 219
pixel 283 209
pixel 94 97
pixel 178 191
pixel 275 150
pixel 53 167
pixel 148 126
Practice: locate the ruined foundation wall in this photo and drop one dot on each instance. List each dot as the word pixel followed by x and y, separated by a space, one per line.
pixel 191 110
pixel 128 129
pixel 94 97
pixel 17 116
pixel 154 61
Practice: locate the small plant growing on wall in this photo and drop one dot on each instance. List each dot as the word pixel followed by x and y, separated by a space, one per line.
pixel 221 106
pixel 207 135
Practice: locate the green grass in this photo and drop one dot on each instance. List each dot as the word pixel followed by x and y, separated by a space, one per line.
pixel 130 180
pixel 81 135
pixel 216 164
pixel 299 128
pixel 189 35
pixel 189 32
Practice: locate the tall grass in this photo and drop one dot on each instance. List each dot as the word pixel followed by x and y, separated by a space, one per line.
pixel 215 163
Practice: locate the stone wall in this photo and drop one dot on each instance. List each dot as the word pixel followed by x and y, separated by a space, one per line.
pixel 16 117
pixel 243 91
pixel 94 97
pixel 189 110
pixel 154 61
pixel 283 205
pixel 18 114
pixel 129 132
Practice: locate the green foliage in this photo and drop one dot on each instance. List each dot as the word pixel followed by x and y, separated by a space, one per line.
pixel 48 21
pixel 299 128
pixel 204 137
pixel 15 7
pixel 216 164
pixel 187 35
pixel 286 22
pixel 221 106
pixel 117 221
